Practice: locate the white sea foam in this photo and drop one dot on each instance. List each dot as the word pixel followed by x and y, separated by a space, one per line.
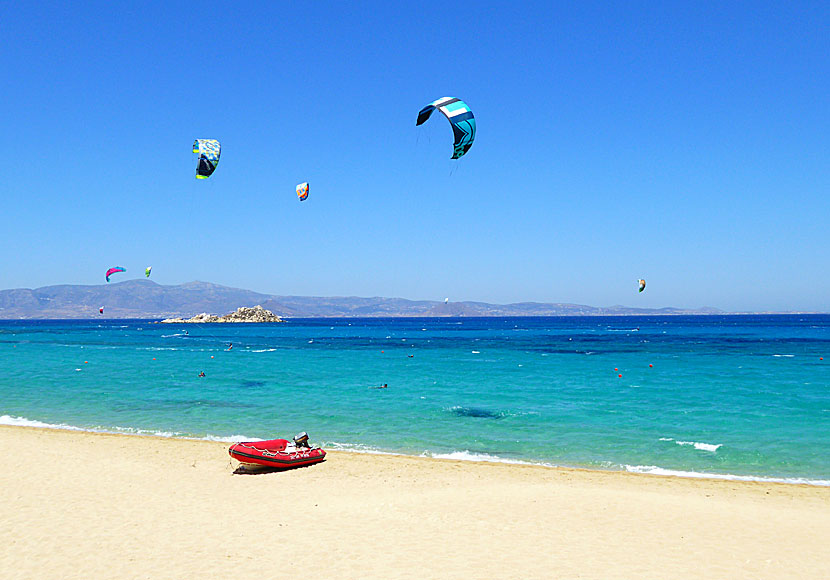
pixel 711 447
pixel 24 422
pixel 482 457
pixel 475 352
pixel 701 446
pixel 654 470
pixel 135 431
pixel 355 448
pixel 231 439
pixel 784 355
pixel 265 349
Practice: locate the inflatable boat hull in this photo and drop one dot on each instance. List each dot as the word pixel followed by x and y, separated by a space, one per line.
pixel 275 454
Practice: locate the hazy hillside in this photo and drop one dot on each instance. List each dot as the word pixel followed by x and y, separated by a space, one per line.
pixel 146 299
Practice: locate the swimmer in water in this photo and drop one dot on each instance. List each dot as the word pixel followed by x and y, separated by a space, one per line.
pixel 201 374
pixel 230 346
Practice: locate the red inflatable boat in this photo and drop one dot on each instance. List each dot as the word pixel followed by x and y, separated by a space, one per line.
pixel 277 453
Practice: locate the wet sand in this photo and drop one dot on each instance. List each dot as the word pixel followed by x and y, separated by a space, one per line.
pixel 87 505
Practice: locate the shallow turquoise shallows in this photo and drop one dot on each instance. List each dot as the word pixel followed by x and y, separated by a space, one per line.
pixel 724 396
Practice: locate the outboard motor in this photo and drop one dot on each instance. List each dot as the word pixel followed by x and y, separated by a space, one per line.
pixel 301 440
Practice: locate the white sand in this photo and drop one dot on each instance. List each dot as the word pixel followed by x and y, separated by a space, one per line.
pixel 82 505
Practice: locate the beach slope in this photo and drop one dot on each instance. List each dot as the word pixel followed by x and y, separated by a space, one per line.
pixel 86 505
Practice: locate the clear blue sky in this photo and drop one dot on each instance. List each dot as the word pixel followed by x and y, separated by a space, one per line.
pixel 684 142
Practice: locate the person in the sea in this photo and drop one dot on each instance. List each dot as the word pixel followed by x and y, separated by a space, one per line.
pixel 201 374
pixel 230 346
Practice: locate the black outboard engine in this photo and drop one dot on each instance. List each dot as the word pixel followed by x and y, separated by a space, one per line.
pixel 301 440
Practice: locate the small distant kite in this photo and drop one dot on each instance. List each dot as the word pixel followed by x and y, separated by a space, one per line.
pixel 446 300
pixel 208 150
pixel 302 191
pixel 147 271
pixel 101 310
pixel 460 117
pixel 114 270
pixel 642 284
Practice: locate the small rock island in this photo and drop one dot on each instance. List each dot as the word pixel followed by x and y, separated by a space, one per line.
pixel 255 314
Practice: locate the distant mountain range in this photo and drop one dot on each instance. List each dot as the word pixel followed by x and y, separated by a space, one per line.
pixel 146 299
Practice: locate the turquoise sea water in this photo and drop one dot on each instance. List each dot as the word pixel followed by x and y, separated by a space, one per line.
pixel 727 396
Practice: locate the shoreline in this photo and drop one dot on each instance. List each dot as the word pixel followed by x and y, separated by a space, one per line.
pixel 653 471
pixel 122 506
pixel 505 464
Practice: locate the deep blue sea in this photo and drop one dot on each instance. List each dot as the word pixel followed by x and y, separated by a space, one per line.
pixel 706 396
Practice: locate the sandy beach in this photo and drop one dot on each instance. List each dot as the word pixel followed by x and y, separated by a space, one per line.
pixel 88 505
